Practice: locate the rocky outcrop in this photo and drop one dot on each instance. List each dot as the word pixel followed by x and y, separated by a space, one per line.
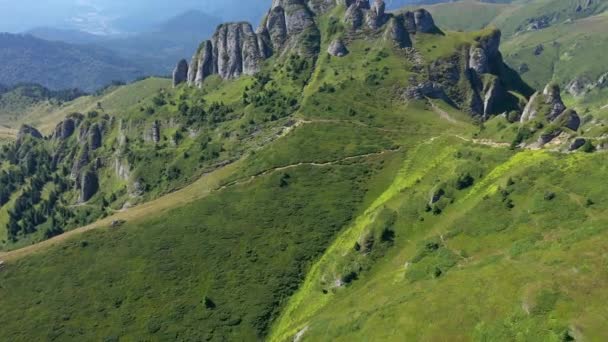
pixel 484 52
pixel 81 162
pixel 478 60
pixel 576 144
pixel 180 73
pixel 153 133
pixel 397 33
pixel 64 129
pixel 89 185
pixel 424 21
pixel 202 65
pixel 376 16
pixel 569 119
pixel 553 98
pixel 236 49
pixel 423 90
pixel 494 95
pixel 95 136
pixel 337 48
pixel 122 170
pixel 530 111
pixel 28 131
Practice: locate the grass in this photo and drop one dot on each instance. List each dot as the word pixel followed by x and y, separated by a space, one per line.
pixel 514 273
pixel 358 216
pixel 238 262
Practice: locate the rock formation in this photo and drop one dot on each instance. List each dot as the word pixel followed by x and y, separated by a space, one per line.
pixel 64 129
pixel 81 161
pixel 235 49
pixel 94 136
pixel 27 131
pixel 89 185
pixel 180 74
pixel 553 98
pixel 337 48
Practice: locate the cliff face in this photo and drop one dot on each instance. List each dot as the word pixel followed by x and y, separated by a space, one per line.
pixel 236 49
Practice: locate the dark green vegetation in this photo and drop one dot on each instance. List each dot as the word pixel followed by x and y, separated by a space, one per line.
pixel 56 65
pixel 321 198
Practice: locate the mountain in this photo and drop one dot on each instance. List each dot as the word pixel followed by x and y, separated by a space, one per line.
pixel 70 36
pixel 56 65
pixel 339 173
pixel 154 51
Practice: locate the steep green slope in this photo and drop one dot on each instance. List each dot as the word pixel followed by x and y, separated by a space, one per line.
pixel 390 193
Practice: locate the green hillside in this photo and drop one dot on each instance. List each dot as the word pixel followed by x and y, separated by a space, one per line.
pixel 395 189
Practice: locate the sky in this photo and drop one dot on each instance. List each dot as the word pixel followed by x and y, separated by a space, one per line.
pixel 121 16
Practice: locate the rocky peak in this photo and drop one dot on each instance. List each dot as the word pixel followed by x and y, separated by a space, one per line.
pixel 180 74
pixel 28 131
pixel 484 51
pixel 424 21
pixel 64 129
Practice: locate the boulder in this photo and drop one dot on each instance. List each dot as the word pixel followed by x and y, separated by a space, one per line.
pixel 180 73
pixel 576 144
pixel 569 119
pixel 337 48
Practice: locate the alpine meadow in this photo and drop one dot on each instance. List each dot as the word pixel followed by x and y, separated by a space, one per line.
pixel 341 172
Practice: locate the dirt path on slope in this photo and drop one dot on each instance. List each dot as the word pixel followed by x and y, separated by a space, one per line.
pixel 206 185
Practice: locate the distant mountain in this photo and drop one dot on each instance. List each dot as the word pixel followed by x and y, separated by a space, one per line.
pixel 65 35
pixel 154 51
pixel 58 65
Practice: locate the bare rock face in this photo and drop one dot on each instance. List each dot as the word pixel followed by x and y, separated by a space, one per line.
pixel 337 48
pixel 202 65
pixel 155 132
pixel 95 136
pixel 397 33
pixel 424 21
pixel 570 119
pixel 530 110
pixel 236 51
pixel 27 131
pixel 89 185
pixel 552 96
pixel 576 144
pixel 376 16
pixel 64 129
pixel 494 95
pixel 423 90
pixel 180 74
pixel 478 60
pixel 355 14
pixel 81 161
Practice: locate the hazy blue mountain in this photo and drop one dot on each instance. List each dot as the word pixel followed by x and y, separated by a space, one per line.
pixel 58 65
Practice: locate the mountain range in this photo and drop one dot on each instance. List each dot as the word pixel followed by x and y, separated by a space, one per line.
pixel 339 172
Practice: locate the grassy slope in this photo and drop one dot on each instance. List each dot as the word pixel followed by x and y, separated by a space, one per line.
pixel 505 274
pixel 355 155
pixel 45 115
